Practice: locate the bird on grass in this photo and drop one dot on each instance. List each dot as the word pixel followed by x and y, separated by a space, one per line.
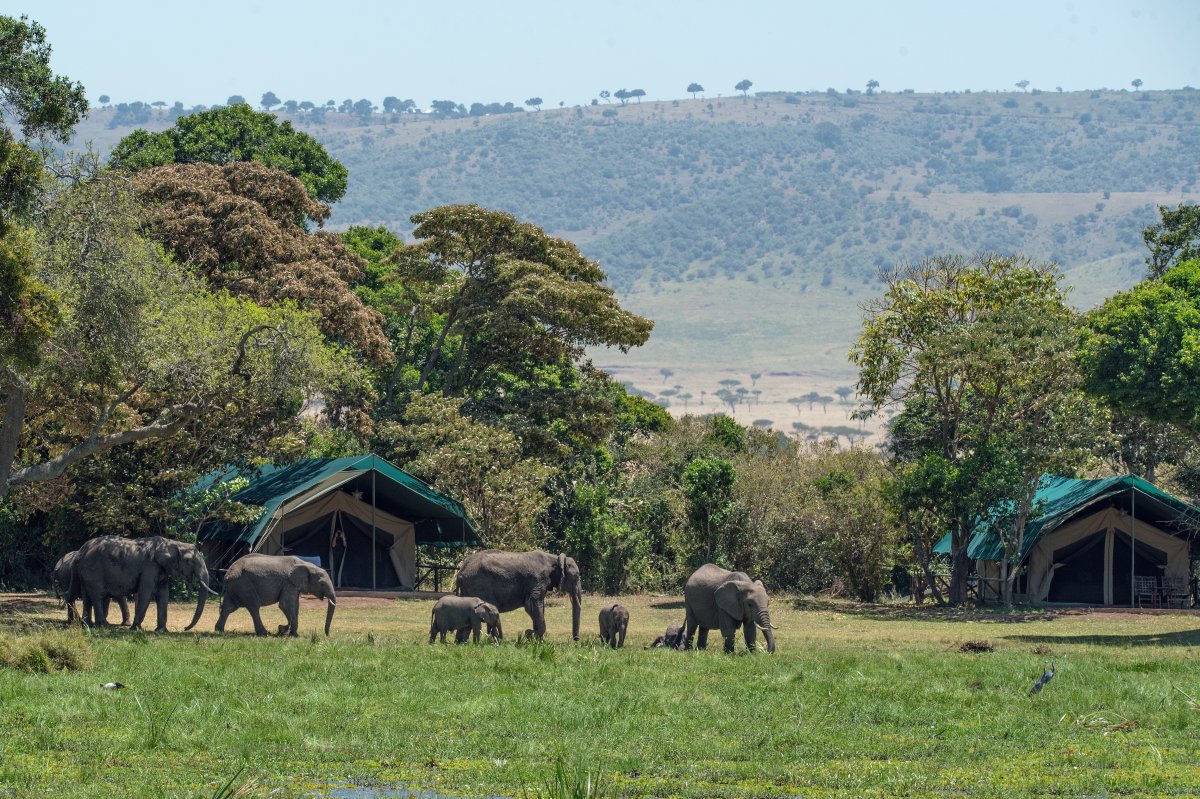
pixel 1047 676
pixel 112 686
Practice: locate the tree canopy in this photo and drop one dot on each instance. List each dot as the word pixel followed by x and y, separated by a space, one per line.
pixel 1174 238
pixel 236 133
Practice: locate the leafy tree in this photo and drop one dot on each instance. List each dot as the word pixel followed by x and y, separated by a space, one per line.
pixel 534 102
pixel 269 101
pixel 140 350
pixel 1022 85
pixel 236 99
pixel 1141 349
pixel 604 95
pixel 638 93
pixel 754 378
pixel 236 133
pixel 743 86
pixel 444 107
pixel 622 95
pixel 104 99
pixel 844 393
pixel 514 296
pixel 306 105
pixel 666 373
pixel 872 85
pixel 239 227
pixel 708 483
pixel 1176 238
pixel 1136 83
pixel 964 343
pixel 363 109
pixel 694 88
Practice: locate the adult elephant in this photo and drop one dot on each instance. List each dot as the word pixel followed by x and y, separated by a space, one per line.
pixel 512 580
pixel 715 598
pixel 63 571
pixel 113 566
pixel 257 580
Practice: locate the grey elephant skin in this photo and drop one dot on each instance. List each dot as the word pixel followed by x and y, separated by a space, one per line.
pixel 672 638
pixel 715 598
pixel 256 581
pixel 614 623
pixel 63 570
pixel 110 566
pixel 463 615
pixel 512 580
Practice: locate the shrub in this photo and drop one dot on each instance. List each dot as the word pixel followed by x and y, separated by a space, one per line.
pixel 46 653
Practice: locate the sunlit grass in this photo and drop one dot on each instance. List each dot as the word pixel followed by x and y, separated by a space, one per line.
pixel 856 702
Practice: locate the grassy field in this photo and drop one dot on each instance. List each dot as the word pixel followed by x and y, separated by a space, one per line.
pixel 857 701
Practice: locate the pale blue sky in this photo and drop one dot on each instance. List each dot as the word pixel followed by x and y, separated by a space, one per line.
pixel 202 52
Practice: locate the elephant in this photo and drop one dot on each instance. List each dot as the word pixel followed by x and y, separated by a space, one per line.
pixel 464 614
pixel 614 622
pixel 62 581
pixel 111 566
pixel 716 598
pixel 671 639
pixel 256 580
pixel 511 580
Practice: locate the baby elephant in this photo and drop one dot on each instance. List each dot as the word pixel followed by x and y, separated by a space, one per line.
pixel 670 639
pixel 257 580
pixel 463 613
pixel 614 621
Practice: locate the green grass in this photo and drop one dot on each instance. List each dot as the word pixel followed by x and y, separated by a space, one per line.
pixel 857 701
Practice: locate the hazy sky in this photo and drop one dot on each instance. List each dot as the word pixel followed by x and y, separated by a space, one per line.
pixel 561 50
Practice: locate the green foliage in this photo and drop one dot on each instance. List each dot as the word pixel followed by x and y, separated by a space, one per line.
pixel 1141 349
pixel 708 486
pixel 46 653
pixel 1174 239
pixel 43 103
pixel 236 133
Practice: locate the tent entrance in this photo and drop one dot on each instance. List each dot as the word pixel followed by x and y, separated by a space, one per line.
pixel 1080 577
pixel 345 548
pixel 1148 561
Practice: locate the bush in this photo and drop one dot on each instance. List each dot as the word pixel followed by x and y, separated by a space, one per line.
pixel 46 653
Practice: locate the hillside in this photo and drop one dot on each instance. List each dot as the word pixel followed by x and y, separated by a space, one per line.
pixel 751 229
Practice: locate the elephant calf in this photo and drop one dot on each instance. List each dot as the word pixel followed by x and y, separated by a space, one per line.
pixel 614 621
pixel 254 581
pixel 672 638
pixel 462 614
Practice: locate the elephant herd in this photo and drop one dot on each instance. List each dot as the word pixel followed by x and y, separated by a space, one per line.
pixel 490 582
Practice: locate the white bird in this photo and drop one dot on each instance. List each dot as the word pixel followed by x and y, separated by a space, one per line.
pixel 1047 676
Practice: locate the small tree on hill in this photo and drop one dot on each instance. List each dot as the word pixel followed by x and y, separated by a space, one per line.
pixel 1136 83
pixel 754 376
pixel 622 95
pixel 743 86
pixel 534 102
pixel 1022 85
pixel 104 99
pixel 693 88
pixel 638 93
pixel 872 85
pixel 665 372
pixel 269 101
pixel 236 99
pixel 844 392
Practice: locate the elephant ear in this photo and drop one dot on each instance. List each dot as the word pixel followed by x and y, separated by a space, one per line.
pixel 482 610
pixel 166 557
pixel 562 568
pixel 298 576
pixel 729 599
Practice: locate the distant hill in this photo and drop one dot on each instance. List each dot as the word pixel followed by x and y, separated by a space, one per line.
pixel 752 229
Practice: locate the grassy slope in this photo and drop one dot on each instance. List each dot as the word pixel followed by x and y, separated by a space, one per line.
pixel 752 239
pixel 857 701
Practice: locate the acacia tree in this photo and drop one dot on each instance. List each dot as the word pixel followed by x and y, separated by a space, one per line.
pixel 694 88
pixel 743 86
pixel 950 341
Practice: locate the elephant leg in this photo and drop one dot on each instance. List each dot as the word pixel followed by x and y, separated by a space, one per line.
pixel 144 594
pixel 461 635
pixel 621 643
pixel 702 638
pixel 289 603
pixel 96 602
pixel 475 630
pixel 256 614
pixel 728 631
pixel 88 617
pixel 123 603
pixel 689 630
pixel 433 630
pixel 537 614
pixel 227 607
pixel 750 632
pixel 162 595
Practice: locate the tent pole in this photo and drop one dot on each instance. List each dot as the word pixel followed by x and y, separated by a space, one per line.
pixel 1132 543
pixel 374 585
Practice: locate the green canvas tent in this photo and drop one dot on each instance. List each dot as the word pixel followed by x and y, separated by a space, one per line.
pixel 361 517
pixel 1088 541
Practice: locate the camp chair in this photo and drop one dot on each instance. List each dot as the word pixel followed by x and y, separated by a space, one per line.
pixel 1147 591
pixel 1175 592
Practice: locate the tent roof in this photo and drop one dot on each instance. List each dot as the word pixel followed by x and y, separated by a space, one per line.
pixel 438 519
pixel 1058 499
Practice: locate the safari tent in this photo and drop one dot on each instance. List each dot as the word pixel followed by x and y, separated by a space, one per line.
pixel 360 517
pixel 1090 540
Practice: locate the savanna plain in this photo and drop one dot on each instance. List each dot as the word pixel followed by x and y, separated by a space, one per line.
pixel 858 700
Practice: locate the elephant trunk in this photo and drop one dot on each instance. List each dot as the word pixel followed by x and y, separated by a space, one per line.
pixel 764 623
pixel 202 578
pixel 329 615
pixel 576 601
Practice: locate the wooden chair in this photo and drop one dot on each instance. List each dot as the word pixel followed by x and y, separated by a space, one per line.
pixel 1175 592
pixel 1146 589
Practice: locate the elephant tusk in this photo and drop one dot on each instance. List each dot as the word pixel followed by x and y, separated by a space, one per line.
pixel 331 602
pixel 207 587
